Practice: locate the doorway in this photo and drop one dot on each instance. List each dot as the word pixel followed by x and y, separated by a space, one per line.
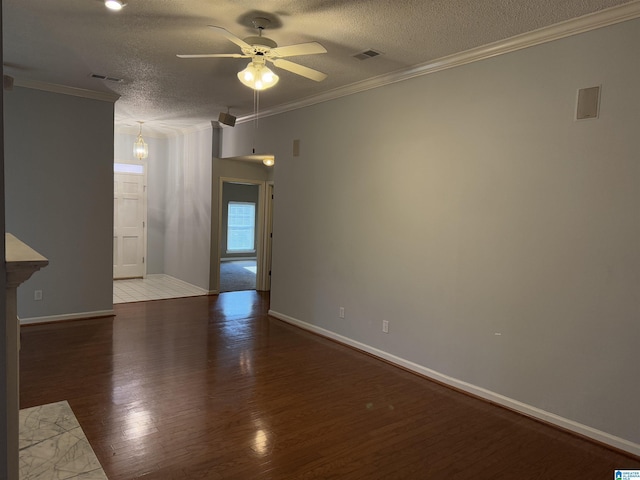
pixel 129 220
pixel 261 251
pixel 240 239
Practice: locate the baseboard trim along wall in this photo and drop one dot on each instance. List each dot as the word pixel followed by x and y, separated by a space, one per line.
pixel 523 408
pixel 68 316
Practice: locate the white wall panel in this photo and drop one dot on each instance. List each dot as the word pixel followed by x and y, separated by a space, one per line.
pixel 188 207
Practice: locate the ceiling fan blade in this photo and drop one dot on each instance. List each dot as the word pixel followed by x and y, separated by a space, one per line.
pixel 230 36
pixel 310 48
pixel 215 55
pixel 307 72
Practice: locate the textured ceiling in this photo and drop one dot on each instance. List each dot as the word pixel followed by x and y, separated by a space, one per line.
pixel 63 42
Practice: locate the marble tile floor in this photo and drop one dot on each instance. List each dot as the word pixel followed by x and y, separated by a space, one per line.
pixel 153 287
pixel 54 447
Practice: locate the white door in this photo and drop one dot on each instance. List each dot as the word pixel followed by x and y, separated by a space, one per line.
pixel 128 225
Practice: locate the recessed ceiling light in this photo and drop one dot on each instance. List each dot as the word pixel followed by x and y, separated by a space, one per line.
pixel 114 4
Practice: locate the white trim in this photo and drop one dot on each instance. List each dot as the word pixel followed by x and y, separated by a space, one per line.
pixel 574 26
pixel 268 234
pixel 65 90
pixel 68 316
pixel 510 403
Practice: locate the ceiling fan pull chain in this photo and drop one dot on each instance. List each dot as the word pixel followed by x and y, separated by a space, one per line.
pixel 256 97
pixel 257 107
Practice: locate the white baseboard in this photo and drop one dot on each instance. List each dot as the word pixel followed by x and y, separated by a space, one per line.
pixel 584 430
pixel 68 316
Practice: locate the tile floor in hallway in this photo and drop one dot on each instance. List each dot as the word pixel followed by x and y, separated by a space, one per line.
pixel 153 287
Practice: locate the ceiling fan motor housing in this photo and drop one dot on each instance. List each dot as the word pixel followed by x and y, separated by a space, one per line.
pixel 262 49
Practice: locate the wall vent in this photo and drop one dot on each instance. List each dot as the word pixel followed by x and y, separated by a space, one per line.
pixel 105 77
pixel 367 54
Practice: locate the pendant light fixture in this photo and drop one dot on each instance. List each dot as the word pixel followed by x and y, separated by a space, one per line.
pixel 140 148
pixel 257 75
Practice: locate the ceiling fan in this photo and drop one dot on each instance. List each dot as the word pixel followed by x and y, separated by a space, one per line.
pixel 261 50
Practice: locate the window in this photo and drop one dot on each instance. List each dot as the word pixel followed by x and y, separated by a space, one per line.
pixel 241 227
pixel 127 168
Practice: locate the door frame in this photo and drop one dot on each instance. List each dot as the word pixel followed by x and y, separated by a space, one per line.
pixel 144 165
pixel 268 235
pixel 260 228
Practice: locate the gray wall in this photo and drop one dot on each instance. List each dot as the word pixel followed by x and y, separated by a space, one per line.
pixel 188 207
pixel 469 203
pixel 59 189
pixel 156 185
pixel 234 192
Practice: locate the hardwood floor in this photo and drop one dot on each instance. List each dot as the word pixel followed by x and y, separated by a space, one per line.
pixel 212 388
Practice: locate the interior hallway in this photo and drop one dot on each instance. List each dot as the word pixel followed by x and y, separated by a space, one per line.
pixel 212 387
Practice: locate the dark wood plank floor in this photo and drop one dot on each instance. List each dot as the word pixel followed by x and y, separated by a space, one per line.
pixel 212 388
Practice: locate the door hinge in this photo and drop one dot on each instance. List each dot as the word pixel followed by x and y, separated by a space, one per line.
pixel 142 259
pixel 271 235
pixel 144 224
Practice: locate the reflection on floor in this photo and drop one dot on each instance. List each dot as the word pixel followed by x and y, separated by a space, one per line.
pixel 153 287
pixel 238 275
pixel 53 445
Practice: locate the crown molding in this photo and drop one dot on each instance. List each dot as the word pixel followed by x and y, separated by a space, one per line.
pixel 575 26
pixel 65 90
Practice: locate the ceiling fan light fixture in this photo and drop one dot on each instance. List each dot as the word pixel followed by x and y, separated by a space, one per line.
pixel 114 4
pixel 247 76
pixel 257 76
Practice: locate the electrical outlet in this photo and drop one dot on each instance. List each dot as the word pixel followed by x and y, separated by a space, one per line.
pixel 341 313
pixel 385 326
pixel 37 294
